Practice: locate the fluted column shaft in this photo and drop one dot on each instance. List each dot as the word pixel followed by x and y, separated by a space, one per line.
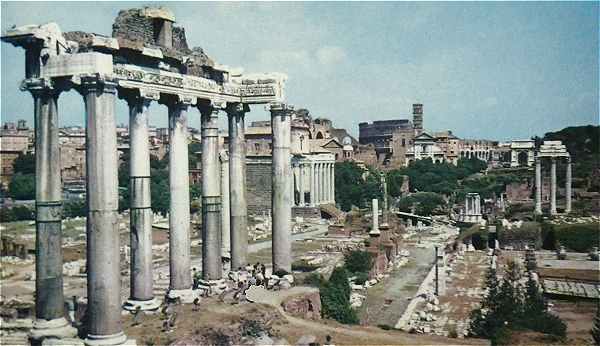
pixel 140 201
pixel 211 196
pixel 237 189
pixel 538 186
pixel 179 206
pixel 568 193
pixel 553 187
pixel 49 299
pixel 281 199
pixel 103 269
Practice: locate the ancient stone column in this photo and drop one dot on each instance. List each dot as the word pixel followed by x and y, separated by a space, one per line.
pixel 103 255
pixel 553 187
pixel 141 281
pixel 281 117
pixel 375 209
pixel 312 185
pixel 538 186
pixel 332 183
pixel 225 209
pixel 328 182
pixel 237 189
pixel 180 280
pixel 211 196
pixel 301 184
pixel 296 183
pixel 49 298
pixel 568 193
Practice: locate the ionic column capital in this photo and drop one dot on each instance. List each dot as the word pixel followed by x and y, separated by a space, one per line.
pixel 237 109
pixel 280 109
pixel 138 97
pixel 89 83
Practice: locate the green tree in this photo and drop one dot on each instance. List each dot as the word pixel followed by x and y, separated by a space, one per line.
pixel 335 295
pixel 394 181
pixel 484 321
pixel 24 164
pixel 22 186
pixel 355 186
pixel 358 261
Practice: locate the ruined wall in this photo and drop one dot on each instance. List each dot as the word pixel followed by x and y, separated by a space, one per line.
pixel 258 184
pixel 131 25
pixel 307 306
pixel 179 42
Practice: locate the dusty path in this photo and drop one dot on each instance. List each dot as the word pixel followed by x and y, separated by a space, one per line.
pixel 350 334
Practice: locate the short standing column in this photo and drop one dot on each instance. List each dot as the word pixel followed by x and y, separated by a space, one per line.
pixel 568 193
pixel 538 186
pixel 312 184
pixel 211 196
pixel 296 184
pixel 280 198
pixel 141 282
pixel 180 282
pixel 49 298
pixel 327 183
pixel 332 182
pixel 553 187
pixel 103 267
pixel 237 181
pixel 225 209
pixel 301 184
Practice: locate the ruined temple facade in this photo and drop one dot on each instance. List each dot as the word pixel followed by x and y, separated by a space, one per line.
pixel 147 60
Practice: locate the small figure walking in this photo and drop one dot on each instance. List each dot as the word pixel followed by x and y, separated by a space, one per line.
pixel 137 315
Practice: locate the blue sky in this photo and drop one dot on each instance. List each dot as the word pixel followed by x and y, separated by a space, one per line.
pixel 484 70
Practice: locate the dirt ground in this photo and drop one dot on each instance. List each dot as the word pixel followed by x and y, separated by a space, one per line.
pixel 216 318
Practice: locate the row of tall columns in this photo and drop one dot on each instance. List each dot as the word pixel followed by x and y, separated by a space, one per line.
pixel 538 186
pixel 322 183
pixel 473 205
pixel 103 248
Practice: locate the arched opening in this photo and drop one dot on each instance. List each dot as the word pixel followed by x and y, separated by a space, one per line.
pixel 522 158
pixel 319 135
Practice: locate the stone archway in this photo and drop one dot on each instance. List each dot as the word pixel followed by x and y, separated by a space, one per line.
pixel 319 135
pixel 522 158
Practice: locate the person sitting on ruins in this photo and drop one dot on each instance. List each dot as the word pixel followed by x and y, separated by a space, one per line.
pixel 197 276
pixel 196 306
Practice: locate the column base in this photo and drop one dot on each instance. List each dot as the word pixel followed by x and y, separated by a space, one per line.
pixel 109 340
pixel 186 296
pixel 145 305
pixel 58 328
pixel 212 287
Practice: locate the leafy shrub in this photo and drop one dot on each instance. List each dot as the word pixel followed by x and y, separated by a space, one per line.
pixel 252 328
pixel 580 238
pixel 314 279
pixel 335 295
pixel 280 273
pixel 384 326
pixel 358 261
pixel 361 278
pixel 303 266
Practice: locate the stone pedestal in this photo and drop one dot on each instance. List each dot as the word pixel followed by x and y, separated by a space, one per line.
pixel 58 328
pixel 186 296
pixel 211 287
pixel 375 209
pixel 281 198
pixel 145 305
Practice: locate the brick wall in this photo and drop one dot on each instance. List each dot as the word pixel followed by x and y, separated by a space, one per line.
pixel 130 24
pixel 258 184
